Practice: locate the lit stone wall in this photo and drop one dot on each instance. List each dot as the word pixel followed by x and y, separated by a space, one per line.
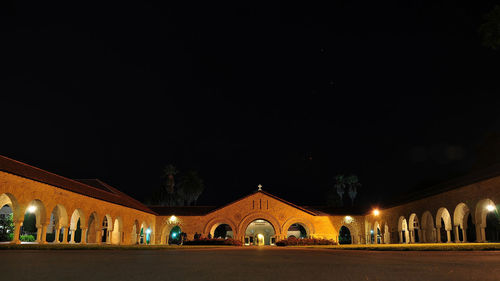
pixel 424 215
pixel 19 193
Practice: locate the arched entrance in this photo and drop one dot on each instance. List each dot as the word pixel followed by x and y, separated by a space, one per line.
pixel 260 232
pixel 117 233
pixel 428 228
pixel 106 227
pixel 34 215
pixel 77 221
pixel 8 214
pixel 492 230
pixel 403 230
pixel 223 231
pixel 175 238
pixel 93 233
pixel 296 230
pixel 460 217
pixel 486 220
pixel 345 236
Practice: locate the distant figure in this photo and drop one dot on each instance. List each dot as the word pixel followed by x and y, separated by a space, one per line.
pixel 196 236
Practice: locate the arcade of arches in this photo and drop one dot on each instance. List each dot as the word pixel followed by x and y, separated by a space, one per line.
pixel 55 209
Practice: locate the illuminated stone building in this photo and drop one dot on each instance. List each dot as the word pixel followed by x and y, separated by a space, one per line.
pixel 91 211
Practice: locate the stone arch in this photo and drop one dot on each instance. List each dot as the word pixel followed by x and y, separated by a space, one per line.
pixel 93 228
pixel 255 216
pixel 403 230
pixel 165 231
pixel 428 229
pixel 414 228
pixel 387 233
pixel 134 235
pixel 308 226
pixel 481 211
pixel 77 215
pixel 106 227
pixel 11 201
pixel 40 217
pixel 212 224
pixel 443 215
pixel 377 232
pixel 117 232
pixel 460 214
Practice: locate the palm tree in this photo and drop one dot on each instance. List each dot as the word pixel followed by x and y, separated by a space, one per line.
pixel 340 186
pixel 191 187
pixel 353 182
pixel 169 172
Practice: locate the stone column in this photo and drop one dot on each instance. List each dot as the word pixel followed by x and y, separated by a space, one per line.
pixel 84 236
pixel 72 237
pixel 479 237
pixel 464 234
pixel 457 235
pixel 138 239
pixel 400 236
pixel 412 236
pixel 17 230
pixel 483 235
pixel 65 235
pixel 448 236
pixel 152 238
pixel 38 234
pixel 56 240
pixel 438 235
pixel 422 238
pixel 108 237
pixel 44 233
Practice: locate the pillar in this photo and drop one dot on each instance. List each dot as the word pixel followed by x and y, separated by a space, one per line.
pixel 400 236
pixel 152 238
pixel 56 240
pixel 44 233
pixel 448 236
pixel 65 235
pixel 412 236
pixel 457 235
pixel 483 235
pixel 84 236
pixel 138 240
pixel 17 230
pixel 38 234
pixel 479 236
pixel 438 235
pixel 422 237
pixel 98 236
pixel 108 237
pixel 464 234
pixel 72 238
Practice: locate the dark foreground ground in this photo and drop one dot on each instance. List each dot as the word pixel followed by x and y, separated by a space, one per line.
pixel 247 264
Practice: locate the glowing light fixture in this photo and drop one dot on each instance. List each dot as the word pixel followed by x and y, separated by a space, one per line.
pixel 172 219
pixel 376 212
pixel 371 230
pixel 348 219
pixel 490 208
pixel 148 231
pixel 31 209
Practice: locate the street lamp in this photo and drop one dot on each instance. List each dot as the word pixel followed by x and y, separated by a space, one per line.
pixel 172 219
pixel 376 212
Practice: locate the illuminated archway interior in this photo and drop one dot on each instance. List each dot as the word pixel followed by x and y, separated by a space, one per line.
pixel 260 232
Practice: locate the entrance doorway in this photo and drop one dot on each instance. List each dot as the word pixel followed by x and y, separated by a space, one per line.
pixel 260 232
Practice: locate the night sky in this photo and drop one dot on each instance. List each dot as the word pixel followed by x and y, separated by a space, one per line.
pixel 401 93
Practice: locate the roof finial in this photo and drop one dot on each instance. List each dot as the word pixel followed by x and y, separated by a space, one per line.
pixel 260 187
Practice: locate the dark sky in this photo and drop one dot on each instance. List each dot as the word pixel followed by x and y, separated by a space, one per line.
pixel 287 94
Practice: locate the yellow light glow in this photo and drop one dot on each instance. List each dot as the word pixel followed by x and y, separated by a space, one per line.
pixel 376 212
pixel 31 209
pixel 490 208
pixel 348 219
pixel 172 219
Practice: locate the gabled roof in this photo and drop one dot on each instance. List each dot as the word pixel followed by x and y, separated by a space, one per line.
pixel 272 196
pixel 90 187
pixel 205 210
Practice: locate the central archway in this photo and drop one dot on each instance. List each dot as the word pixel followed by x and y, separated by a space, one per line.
pixel 260 232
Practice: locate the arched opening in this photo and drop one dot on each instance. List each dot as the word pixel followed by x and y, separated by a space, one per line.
pixel 223 231
pixel 76 226
pixel 387 234
pixel 34 215
pixel 135 233
pixel 260 232
pixel 429 231
pixel 492 230
pixel 345 236
pixel 443 225
pixel 296 230
pixel 6 223
pixel 460 217
pixel 403 230
pixel 58 224
pixel 117 233
pixel 106 228
pixel 414 228
pixel 93 229
pixel 174 237
pixel 470 229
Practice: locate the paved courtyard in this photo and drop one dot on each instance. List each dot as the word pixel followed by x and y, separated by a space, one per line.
pixel 265 263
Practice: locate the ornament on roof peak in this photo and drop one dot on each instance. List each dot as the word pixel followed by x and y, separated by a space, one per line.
pixel 260 187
